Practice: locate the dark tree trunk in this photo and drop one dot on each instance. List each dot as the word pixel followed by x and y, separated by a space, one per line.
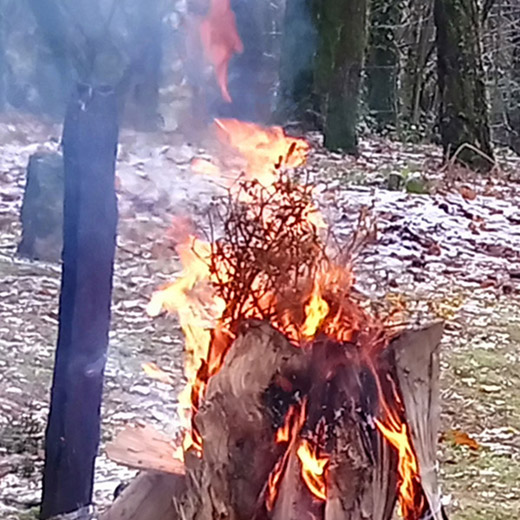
pixel 90 217
pixel 463 104
pixel 383 62
pixel 139 88
pixel 296 63
pixel 512 15
pixel 341 45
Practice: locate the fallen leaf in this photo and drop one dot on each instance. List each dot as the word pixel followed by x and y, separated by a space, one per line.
pixel 468 193
pixel 460 438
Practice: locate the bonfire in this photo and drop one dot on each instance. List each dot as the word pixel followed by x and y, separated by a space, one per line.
pixel 301 401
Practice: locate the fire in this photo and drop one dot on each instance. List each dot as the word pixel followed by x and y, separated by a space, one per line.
pixel 288 433
pixel 396 432
pixel 272 265
pixel 198 308
pixel 315 311
pixel 220 40
pixel 264 149
pixel 313 469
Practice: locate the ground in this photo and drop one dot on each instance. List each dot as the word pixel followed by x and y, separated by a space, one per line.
pixel 448 247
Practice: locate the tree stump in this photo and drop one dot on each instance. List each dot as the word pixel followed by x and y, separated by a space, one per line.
pixel 42 208
pixel 335 394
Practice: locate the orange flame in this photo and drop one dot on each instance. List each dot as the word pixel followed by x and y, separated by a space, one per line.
pixel 315 311
pixel 220 40
pixel 265 149
pixel 288 433
pixel 396 432
pixel 198 308
pixel 313 469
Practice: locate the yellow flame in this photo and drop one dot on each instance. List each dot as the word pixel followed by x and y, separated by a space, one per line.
pixel 313 469
pixel 315 312
pixel 398 436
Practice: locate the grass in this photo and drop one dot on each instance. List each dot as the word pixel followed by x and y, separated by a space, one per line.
pixel 481 386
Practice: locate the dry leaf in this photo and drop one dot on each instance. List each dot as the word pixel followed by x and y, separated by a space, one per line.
pixel 461 438
pixel 468 193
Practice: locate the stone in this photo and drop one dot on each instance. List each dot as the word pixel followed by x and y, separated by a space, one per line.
pixel 42 208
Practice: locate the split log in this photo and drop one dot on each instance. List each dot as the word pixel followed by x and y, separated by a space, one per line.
pixel 418 370
pixel 237 424
pixel 143 447
pixel 150 496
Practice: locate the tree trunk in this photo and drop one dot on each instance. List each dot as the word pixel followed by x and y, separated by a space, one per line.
pixel 90 217
pixel 139 87
pixel 296 63
pixel 383 62
pixel 341 45
pixel 463 103
pixel 419 36
pixel 512 15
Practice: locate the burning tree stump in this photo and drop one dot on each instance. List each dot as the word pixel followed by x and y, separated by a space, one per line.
pixel 326 391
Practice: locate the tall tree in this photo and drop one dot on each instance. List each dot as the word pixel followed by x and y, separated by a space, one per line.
pixel 463 104
pixel 383 61
pixel 341 26
pixel 418 42
pixel 90 218
pixel 81 38
pixel 2 57
pixel 296 62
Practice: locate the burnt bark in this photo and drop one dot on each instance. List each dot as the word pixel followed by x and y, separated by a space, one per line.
pixel 341 28
pixel 90 218
pixel 463 116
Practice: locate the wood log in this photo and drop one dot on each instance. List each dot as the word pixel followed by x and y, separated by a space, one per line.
pixel 237 426
pixel 150 496
pixel 418 369
pixel 248 399
pixel 143 447
pixel 238 433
